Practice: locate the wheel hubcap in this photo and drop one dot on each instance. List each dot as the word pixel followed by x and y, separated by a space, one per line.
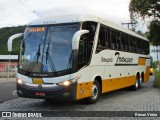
pixel 140 81
pixel 94 91
pixel 137 83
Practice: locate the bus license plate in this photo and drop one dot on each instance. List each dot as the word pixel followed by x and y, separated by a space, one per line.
pixel 40 94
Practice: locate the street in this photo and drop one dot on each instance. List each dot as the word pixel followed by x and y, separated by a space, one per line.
pixel 7 89
pixel 145 99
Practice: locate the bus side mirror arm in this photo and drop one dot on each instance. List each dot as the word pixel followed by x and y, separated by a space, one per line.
pixel 9 44
pixel 76 38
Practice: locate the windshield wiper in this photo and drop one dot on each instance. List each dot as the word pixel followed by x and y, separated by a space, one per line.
pixel 49 59
pixel 38 52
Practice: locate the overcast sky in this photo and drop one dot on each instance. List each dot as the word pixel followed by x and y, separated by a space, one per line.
pixel 21 12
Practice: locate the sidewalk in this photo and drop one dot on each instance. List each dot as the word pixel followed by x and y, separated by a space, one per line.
pixel 5 80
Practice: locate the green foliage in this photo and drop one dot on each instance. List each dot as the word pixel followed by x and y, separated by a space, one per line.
pixel 154 35
pixel 155 63
pixel 5 33
pixel 145 8
pixel 157 79
pixel 150 9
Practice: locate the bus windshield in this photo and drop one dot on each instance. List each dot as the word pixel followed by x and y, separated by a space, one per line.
pixel 47 48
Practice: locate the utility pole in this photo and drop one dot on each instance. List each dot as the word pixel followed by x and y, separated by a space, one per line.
pixel 128 24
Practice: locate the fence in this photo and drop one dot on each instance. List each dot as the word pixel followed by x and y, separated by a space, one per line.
pixel 8 70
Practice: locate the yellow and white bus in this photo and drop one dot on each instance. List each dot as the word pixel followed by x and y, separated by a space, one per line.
pixel 73 57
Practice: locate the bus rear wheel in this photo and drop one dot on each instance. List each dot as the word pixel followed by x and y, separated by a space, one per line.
pixel 140 83
pixel 136 85
pixel 95 93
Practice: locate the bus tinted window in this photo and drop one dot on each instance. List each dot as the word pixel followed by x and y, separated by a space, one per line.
pixel 102 38
pixel 139 46
pixel 113 39
pixel 108 42
pixel 123 41
pixel 118 40
pixel 110 38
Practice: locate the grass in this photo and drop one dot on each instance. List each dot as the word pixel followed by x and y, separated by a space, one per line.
pixel 157 79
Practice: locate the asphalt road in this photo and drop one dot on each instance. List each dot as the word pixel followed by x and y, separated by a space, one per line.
pixel 7 89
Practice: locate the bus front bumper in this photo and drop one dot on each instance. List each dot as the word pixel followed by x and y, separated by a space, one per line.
pixel 52 93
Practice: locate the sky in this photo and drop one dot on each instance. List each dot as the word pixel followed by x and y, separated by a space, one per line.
pixel 21 12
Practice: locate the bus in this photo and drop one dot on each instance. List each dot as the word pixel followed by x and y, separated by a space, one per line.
pixel 73 57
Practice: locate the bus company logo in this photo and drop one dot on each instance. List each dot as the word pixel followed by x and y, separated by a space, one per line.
pixel 106 60
pixel 123 59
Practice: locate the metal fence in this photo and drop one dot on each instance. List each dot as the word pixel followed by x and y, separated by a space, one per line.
pixel 8 70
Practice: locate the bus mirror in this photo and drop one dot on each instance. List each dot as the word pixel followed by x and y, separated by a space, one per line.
pixel 9 44
pixel 76 38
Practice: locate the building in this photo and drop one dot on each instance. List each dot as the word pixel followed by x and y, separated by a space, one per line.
pixel 8 65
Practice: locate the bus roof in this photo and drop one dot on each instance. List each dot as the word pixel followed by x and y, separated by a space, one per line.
pixel 81 18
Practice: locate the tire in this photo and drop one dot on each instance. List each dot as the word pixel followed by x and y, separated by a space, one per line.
pixel 95 93
pixel 140 83
pixel 136 85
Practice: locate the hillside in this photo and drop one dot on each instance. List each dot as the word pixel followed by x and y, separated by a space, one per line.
pixel 5 33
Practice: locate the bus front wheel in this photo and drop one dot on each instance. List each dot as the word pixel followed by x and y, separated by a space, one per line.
pixel 95 93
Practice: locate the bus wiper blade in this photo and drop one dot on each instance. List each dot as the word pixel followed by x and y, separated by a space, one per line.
pixel 49 59
pixel 38 53
pixel 47 53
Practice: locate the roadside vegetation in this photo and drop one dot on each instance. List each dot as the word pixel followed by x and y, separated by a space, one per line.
pixel 157 75
pixel 5 33
pixel 157 79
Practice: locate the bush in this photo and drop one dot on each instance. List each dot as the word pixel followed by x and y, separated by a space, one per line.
pixel 157 79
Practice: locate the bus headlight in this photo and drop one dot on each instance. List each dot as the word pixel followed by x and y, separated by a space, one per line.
pixel 69 82
pixel 19 81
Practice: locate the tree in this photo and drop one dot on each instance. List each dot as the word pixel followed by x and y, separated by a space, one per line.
pixel 145 8
pixel 154 35
pixel 148 9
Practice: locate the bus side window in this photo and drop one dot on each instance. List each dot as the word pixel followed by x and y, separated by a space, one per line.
pixel 123 41
pixel 143 46
pixel 108 42
pixel 118 40
pixel 135 43
pixel 146 47
pixel 101 39
pixel 113 40
pixel 127 43
pixel 139 46
pixel 130 43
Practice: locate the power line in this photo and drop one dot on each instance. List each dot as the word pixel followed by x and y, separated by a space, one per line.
pixel 30 8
